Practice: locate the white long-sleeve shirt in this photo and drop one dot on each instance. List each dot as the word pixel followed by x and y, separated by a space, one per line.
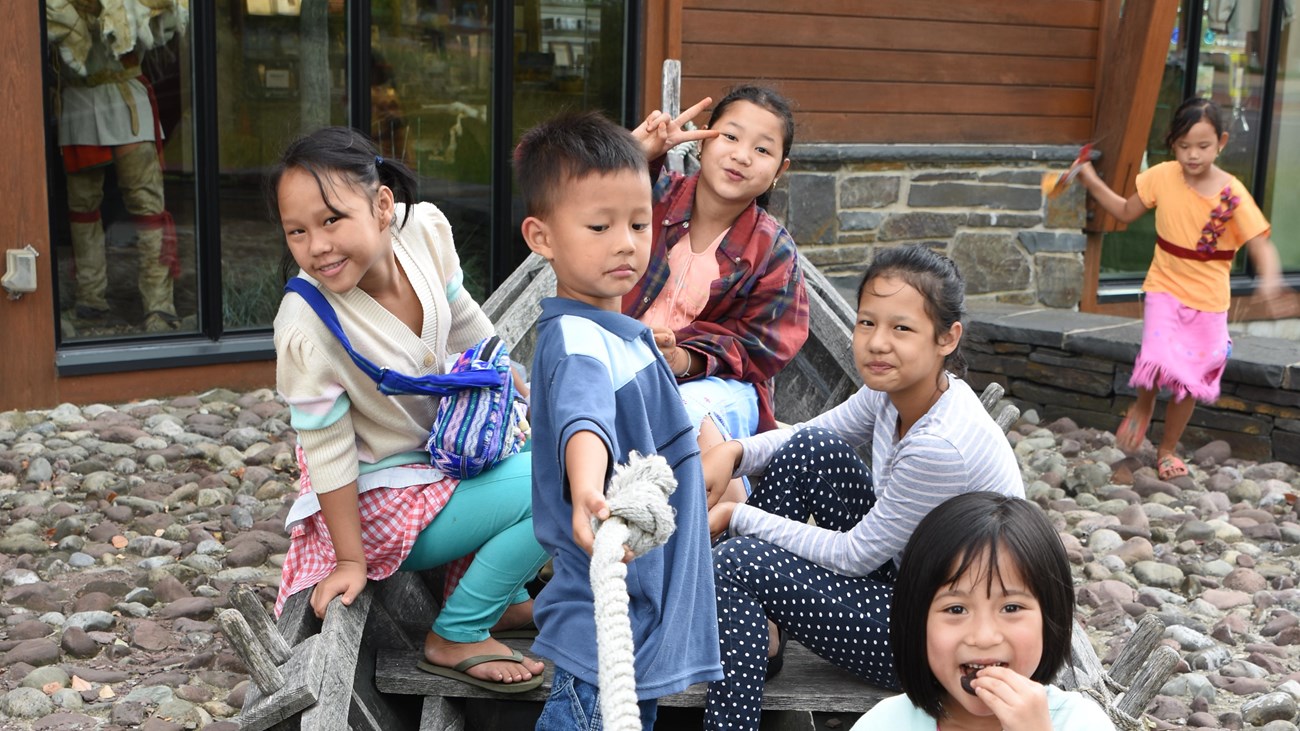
pixel 954 448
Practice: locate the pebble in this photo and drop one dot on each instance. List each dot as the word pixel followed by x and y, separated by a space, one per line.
pixel 129 523
pixel 26 703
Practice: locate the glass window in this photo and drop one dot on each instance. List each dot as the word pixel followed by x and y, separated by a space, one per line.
pixel 568 54
pixel 1231 58
pixel 281 71
pixel 430 105
pixel 1284 146
pixel 122 198
pixel 165 133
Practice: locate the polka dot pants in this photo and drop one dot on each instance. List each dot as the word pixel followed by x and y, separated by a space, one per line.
pixel 843 619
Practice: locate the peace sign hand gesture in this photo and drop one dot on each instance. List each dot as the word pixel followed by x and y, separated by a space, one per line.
pixel 660 132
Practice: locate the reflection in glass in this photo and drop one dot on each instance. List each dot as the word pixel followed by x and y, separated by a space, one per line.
pixel 1230 72
pixel 569 54
pixel 123 196
pixel 430 99
pixel 280 73
pixel 1284 148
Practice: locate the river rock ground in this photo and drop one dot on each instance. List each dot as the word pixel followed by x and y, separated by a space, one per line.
pixel 123 528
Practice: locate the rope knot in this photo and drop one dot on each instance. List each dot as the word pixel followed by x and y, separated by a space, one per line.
pixel 638 495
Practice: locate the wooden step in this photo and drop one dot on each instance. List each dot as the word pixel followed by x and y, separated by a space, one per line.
pixel 806 683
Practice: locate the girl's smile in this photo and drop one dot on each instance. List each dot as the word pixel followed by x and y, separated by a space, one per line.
pixel 982 620
pixel 343 242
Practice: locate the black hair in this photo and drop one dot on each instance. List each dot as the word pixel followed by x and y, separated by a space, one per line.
pixel 1189 114
pixel 347 155
pixel 765 98
pixel 938 280
pixel 570 146
pixel 963 534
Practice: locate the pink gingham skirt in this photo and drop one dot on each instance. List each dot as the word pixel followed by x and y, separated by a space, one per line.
pixel 391 519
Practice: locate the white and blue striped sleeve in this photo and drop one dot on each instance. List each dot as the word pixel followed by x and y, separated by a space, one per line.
pixel 853 420
pixel 927 470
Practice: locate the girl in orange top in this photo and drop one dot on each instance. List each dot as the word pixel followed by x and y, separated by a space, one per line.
pixel 1203 216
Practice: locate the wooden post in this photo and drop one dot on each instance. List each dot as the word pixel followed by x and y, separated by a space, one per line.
pixel 991 396
pixel 1131 76
pixel 250 608
pixel 661 39
pixel 242 640
pixel 441 714
pixel 1148 681
pixel 671 88
pixel 1138 648
pixel 1127 88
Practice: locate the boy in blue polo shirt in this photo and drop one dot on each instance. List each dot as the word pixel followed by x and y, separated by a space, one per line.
pixel 600 390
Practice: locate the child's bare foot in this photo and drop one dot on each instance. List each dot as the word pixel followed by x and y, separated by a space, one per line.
pixel 1131 431
pixel 444 652
pixel 516 616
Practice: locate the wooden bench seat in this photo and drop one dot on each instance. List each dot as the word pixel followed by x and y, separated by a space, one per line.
pixel 806 682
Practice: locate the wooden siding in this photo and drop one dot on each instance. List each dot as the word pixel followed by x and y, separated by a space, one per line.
pixel 27 370
pixel 896 70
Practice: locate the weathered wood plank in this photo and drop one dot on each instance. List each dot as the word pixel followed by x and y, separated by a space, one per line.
pixel 297 622
pixel 1137 649
pixel 1084 669
pixel 246 646
pixel 1148 681
pixel 260 623
pixel 441 714
pixel 304 674
pixel 340 643
pixel 806 682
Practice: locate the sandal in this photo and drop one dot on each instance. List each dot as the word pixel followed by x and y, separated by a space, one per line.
pixel 458 673
pixel 1131 432
pixel 1170 467
pixel 775 662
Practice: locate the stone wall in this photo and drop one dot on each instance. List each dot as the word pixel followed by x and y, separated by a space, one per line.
pixel 1073 364
pixel 982 205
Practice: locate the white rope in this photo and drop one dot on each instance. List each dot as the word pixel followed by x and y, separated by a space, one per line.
pixel 641 518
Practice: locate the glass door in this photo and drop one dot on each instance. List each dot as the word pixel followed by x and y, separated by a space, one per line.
pixel 431 79
pixel 280 72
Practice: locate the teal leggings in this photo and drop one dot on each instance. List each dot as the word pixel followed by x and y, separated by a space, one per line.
pixel 491 516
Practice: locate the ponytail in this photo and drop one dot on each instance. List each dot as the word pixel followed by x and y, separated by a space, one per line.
pixel 346 153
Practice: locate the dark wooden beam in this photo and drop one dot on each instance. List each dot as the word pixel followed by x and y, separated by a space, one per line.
pixel 661 39
pixel 1130 73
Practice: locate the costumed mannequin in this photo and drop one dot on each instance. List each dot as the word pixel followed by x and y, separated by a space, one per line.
pixel 108 115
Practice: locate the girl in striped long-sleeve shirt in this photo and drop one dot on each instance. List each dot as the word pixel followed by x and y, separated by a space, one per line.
pixel 828 585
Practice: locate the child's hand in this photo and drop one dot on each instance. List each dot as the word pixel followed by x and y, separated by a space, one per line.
pixel 347 579
pixel 1019 703
pixel 678 359
pixel 586 507
pixel 660 132
pixel 720 518
pixel 719 464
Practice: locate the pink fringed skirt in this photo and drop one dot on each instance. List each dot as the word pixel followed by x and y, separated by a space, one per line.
pixel 1183 350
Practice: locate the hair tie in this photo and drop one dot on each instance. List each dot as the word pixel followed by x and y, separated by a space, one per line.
pixel 378 160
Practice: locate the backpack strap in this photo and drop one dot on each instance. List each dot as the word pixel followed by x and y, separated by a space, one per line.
pixel 388 381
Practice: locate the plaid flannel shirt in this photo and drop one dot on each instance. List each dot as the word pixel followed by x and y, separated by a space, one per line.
pixel 756 318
